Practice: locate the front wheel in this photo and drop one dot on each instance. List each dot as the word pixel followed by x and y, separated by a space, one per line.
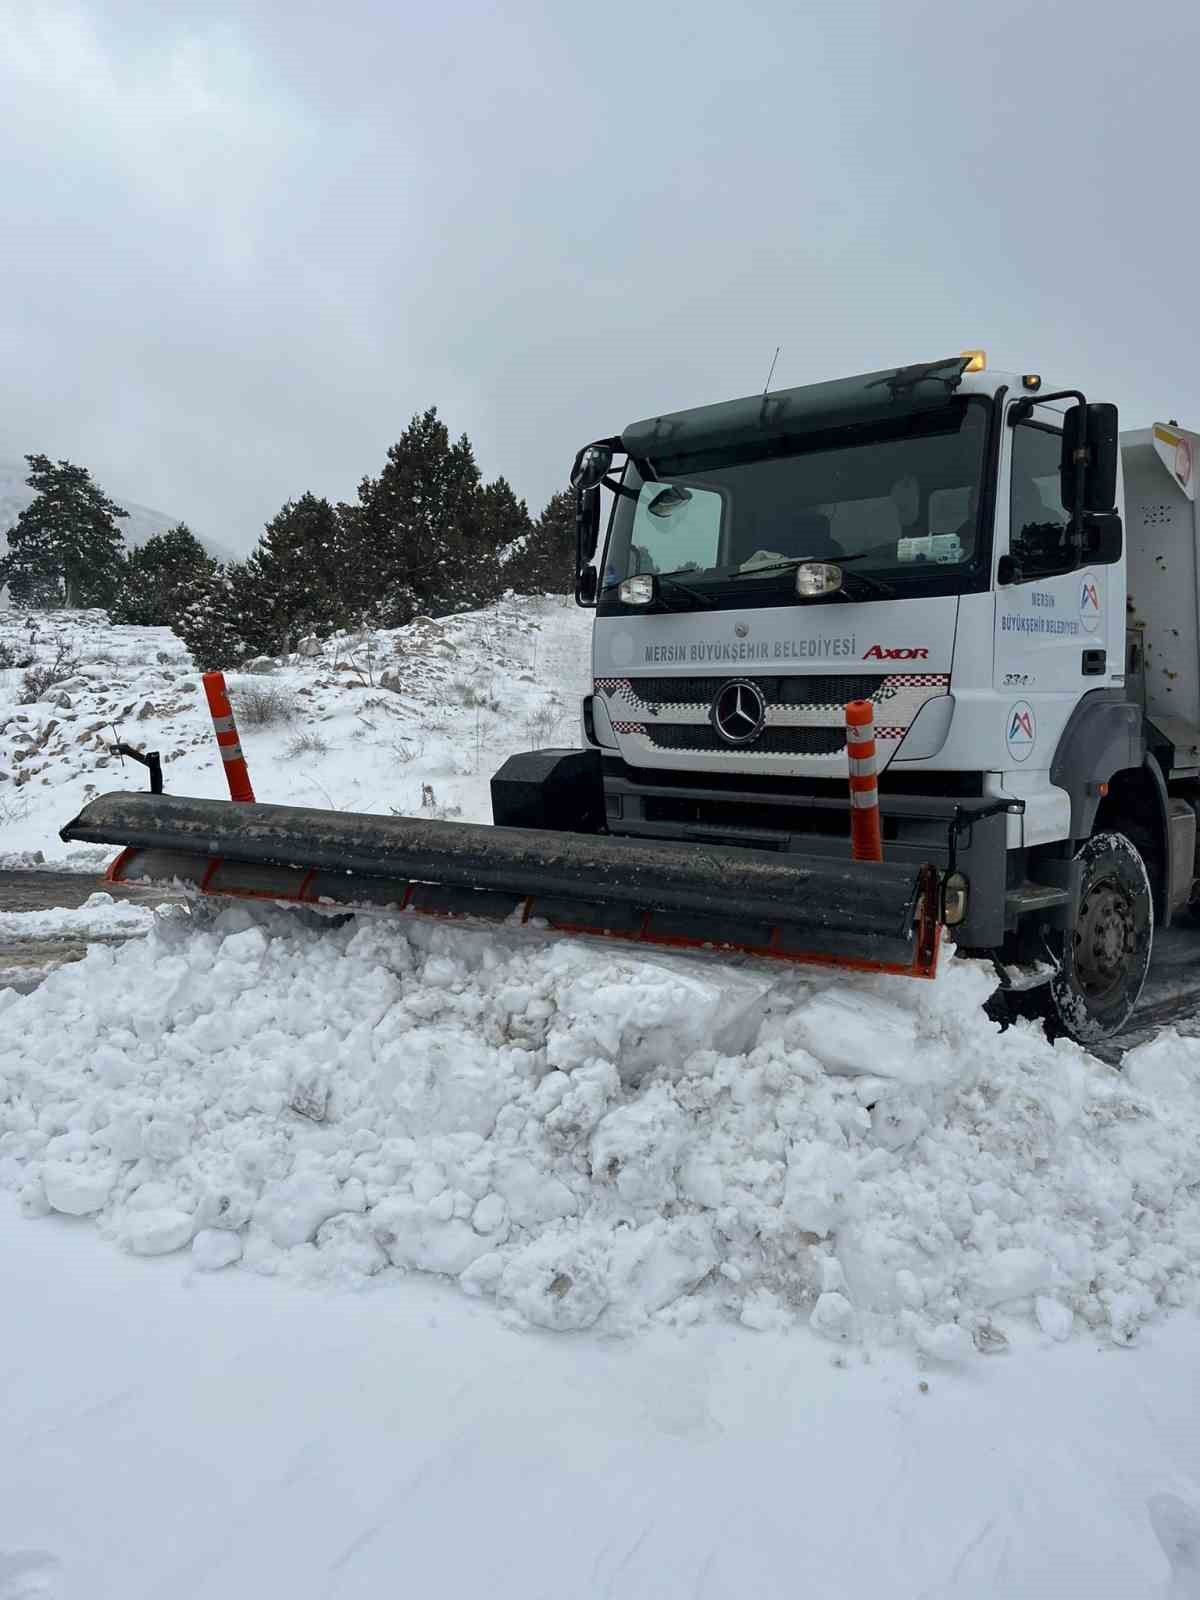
pixel 1106 955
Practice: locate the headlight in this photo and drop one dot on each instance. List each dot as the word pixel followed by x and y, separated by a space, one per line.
pixel 814 578
pixel 637 591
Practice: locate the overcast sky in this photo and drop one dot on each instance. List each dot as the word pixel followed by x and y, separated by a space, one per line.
pixel 242 244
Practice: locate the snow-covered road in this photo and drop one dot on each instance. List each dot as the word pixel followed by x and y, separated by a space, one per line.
pixel 172 1436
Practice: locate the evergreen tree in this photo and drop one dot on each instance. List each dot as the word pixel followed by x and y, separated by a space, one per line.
pixel 222 619
pixel 298 571
pixel 545 562
pixel 65 549
pixel 160 577
pixel 501 531
pixel 413 539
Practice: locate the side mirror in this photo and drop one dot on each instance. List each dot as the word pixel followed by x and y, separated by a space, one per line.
pixel 1094 432
pixel 585 587
pixel 591 464
pixel 1104 445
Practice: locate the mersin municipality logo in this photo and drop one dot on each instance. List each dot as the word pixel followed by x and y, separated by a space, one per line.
pixel 1089 601
pixel 1021 731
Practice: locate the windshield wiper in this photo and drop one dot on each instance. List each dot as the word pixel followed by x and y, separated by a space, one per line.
pixel 673 584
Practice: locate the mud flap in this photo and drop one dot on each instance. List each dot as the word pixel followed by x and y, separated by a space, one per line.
pixel 877 916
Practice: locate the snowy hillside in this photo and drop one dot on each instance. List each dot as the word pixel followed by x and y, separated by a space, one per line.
pixel 523 1266
pixel 141 523
pixel 461 695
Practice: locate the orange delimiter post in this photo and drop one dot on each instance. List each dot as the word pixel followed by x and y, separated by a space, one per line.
pixel 236 772
pixel 866 834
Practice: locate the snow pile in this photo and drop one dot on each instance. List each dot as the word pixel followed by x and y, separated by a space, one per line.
pixel 595 1138
pixel 412 720
pixel 99 917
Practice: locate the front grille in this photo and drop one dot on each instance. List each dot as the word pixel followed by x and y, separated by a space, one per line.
pixel 951 785
pixel 749 817
pixel 771 741
pixel 824 689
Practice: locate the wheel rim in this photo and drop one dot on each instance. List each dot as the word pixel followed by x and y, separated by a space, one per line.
pixel 1105 938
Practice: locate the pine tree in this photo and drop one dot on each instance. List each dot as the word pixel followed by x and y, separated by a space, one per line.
pixel 502 529
pixel 160 577
pixel 66 548
pixel 298 571
pixel 545 562
pixel 413 539
pixel 222 619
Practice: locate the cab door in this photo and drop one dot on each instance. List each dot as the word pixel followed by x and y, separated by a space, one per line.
pixel 1051 614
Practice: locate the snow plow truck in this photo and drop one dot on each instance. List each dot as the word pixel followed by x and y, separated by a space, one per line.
pixel 1007 582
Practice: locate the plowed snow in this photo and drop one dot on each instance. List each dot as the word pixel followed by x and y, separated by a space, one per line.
pixel 598 1139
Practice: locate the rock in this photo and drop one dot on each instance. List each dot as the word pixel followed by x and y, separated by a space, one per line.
pixel 147 711
pixel 391 678
pixel 310 645
pixel 261 664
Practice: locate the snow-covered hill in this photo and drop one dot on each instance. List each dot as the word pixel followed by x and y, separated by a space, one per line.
pixel 141 523
pixel 462 694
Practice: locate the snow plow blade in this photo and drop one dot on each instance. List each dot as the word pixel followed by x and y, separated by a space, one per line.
pixel 879 916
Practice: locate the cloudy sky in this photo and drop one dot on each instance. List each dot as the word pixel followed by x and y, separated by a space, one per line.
pixel 244 243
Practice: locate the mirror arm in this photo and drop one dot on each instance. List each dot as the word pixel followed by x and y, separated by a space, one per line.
pixel 1022 409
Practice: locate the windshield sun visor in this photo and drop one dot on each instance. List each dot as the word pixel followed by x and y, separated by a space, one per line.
pixel 872 396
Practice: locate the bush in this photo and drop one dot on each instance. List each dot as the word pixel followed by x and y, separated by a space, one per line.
pixel 307 744
pixel 45 674
pixel 264 705
pixel 11 658
pixel 473 695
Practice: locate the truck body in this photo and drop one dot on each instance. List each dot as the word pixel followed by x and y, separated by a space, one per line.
pixel 1015 650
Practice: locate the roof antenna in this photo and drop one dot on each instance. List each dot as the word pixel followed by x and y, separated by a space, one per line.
pixel 771 374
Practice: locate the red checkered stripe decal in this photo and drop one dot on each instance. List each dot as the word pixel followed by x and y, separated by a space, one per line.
pixel 890 687
pixel 895 734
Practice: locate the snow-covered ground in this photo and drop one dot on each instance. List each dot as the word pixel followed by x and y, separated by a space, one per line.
pixel 346 1257
pixel 414 720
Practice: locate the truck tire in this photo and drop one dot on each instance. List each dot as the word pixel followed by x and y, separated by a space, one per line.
pixel 1106 955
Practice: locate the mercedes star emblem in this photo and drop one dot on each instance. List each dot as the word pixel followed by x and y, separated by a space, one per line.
pixel 738 712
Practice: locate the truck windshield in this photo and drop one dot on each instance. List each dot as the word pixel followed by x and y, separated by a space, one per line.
pixel 901 499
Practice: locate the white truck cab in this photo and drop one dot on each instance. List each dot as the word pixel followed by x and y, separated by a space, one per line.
pixel 975 552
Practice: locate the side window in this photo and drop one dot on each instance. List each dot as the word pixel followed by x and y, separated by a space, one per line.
pixel 675 528
pixel 1038 520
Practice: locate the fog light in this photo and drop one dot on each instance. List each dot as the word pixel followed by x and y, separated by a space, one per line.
pixel 815 578
pixel 637 591
pixel 955 891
